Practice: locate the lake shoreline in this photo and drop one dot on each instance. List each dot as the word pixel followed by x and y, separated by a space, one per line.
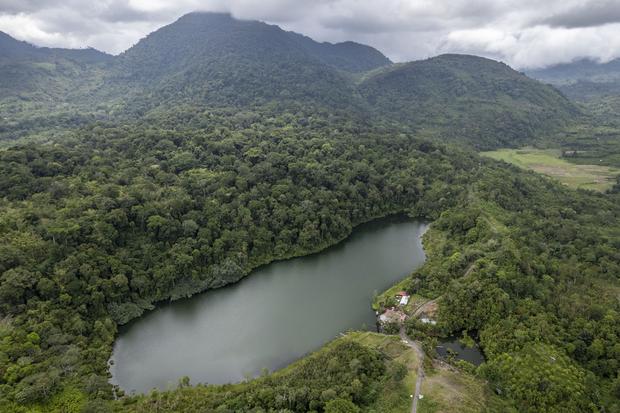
pixel 336 286
pixel 153 305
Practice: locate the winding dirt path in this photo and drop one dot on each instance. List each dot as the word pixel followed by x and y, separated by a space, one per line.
pixel 418 384
pixel 418 348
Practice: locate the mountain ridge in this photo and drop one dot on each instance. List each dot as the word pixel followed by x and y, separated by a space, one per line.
pixel 213 60
pixel 13 48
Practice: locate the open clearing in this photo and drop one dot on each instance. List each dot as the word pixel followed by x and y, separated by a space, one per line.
pixel 447 390
pixel 444 389
pixel 549 162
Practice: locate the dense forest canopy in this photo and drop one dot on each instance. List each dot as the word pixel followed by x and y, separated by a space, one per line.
pixel 199 155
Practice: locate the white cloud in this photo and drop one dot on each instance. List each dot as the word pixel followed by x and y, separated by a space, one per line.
pixel 523 33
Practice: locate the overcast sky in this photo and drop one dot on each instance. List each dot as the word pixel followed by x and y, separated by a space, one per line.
pixel 523 33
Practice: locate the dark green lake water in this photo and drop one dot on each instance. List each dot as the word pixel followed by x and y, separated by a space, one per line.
pixel 460 351
pixel 272 317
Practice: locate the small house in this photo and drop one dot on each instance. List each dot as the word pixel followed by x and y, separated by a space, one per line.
pixel 402 297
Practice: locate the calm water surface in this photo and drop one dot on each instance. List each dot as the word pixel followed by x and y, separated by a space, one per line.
pixel 274 316
pixel 471 354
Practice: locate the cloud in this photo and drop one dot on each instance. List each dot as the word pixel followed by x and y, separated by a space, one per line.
pixel 523 33
pixel 587 14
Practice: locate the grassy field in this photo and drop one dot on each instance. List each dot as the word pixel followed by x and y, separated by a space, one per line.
pixel 445 390
pixel 548 162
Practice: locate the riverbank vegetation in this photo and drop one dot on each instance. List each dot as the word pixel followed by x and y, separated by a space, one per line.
pixel 344 375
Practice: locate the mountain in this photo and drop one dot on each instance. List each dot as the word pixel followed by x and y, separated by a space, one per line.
pixel 43 74
pixel 42 88
pixel 348 56
pixel 212 60
pixel 580 70
pixel 584 79
pixel 14 50
pixel 467 98
pixel 11 48
pixel 215 59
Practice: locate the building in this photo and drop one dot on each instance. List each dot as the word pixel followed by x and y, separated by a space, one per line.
pixel 403 297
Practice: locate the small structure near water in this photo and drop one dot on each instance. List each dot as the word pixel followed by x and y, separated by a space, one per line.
pixel 403 298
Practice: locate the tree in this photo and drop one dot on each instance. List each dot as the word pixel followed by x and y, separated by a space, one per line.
pixel 341 406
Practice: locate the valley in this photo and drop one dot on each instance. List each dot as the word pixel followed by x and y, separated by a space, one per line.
pixel 212 201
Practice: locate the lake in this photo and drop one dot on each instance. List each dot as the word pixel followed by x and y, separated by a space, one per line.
pixel 277 314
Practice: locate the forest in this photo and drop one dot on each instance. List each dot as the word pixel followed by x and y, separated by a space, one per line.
pixel 168 191
pixel 96 230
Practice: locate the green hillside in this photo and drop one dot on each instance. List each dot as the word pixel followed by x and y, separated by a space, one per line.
pixel 468 99
pixel 213 61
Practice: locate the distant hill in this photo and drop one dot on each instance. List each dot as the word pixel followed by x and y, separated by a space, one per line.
pixel 212 60
pixel 14 50
pixel 583 79
pixel 40 74
pixel 467 98
pixel 348 56
pixel 42 88
pixel 580 70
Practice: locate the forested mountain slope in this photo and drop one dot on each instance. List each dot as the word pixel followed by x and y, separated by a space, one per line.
pixel 596 87
pixel 213 61
pixel 41 74
pixel 467 98
pixel 44 88
pixel 583 79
